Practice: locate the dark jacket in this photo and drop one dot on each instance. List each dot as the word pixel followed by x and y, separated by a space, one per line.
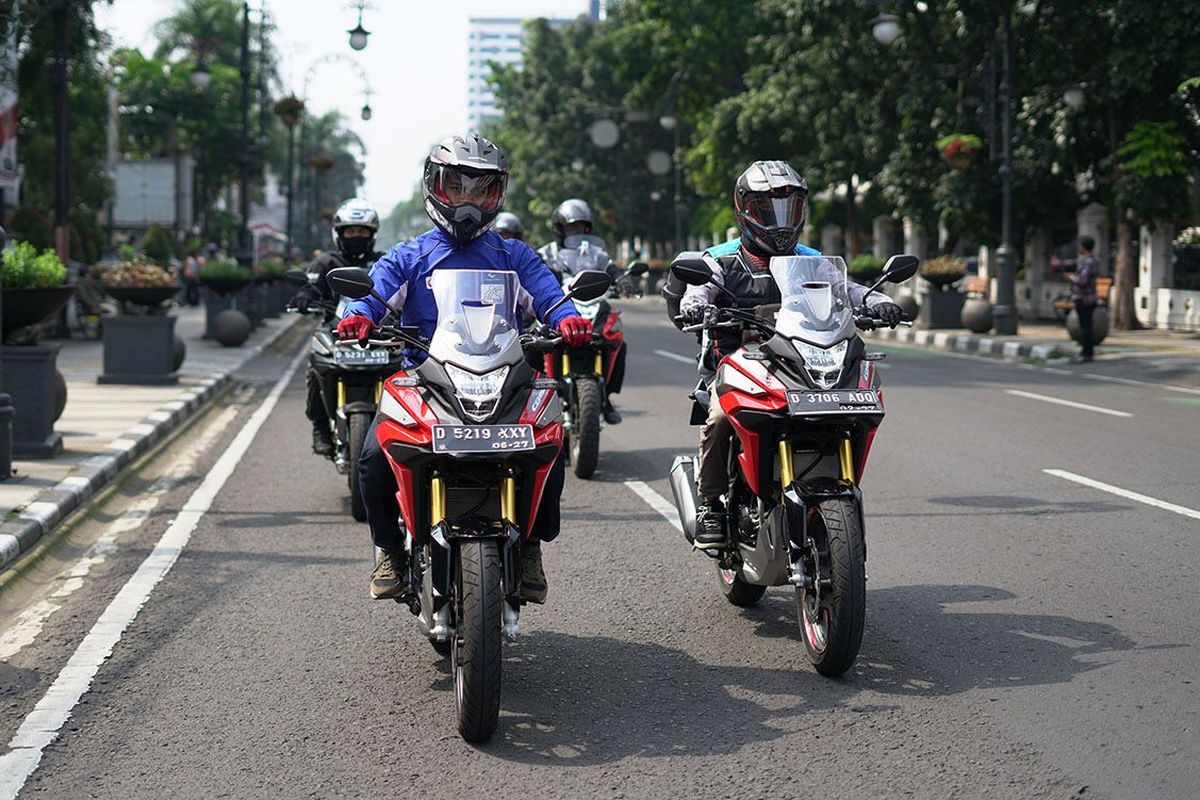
pixel 1083 285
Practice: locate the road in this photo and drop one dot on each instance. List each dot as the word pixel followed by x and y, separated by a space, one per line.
pixel 1029 633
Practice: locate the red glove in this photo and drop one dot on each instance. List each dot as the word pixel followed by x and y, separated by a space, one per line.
pixel 355 326
pixel 576 331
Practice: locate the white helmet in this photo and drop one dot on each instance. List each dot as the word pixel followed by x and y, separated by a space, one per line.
pixel 355 213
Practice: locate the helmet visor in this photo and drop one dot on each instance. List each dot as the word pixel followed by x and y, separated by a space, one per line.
pixel 775 210
pixel 455 187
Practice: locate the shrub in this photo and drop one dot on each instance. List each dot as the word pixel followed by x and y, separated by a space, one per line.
pixel 158 245
pixel 270 267
pixel 224 270
pixel 25 268
pixel 943 269
pixel 865 268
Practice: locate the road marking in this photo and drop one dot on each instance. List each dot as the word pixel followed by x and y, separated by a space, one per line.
pixel 676 357
pixel 30 622
pixel 1068 403
pixel 1131 382
pixel 657 502
pixel 1128 495
pixel 41 726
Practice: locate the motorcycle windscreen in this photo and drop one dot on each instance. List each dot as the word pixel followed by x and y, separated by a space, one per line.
pixel 478 319
pixel 815 303
pixel 582 251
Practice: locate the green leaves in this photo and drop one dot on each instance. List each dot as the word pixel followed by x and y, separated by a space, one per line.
pixel 1154 150
pixel 25 268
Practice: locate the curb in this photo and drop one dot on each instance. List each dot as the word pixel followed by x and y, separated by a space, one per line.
pixel 39 518
pixel 970 343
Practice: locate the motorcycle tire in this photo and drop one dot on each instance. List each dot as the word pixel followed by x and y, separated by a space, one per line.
pixel 357 426
pixel 832 606
pixel 737 591
pixel 475 656
pixel 585 438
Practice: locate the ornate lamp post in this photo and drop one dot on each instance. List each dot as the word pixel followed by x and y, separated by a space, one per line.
pixel 359 34
pixel 289 110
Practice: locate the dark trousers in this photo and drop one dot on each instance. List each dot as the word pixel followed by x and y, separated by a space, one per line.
pixel 314 403
pixel 618 373
pixel 378 486
pixel 1085 310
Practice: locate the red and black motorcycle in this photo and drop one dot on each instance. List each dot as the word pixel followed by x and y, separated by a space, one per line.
pixel 471 435
pixel 805 403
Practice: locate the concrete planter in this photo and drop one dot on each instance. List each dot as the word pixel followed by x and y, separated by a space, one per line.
pixel 941 310
pixel 1099 324
pixel 139 350
pixel 30 377
pixel 978 315
pixel 251 304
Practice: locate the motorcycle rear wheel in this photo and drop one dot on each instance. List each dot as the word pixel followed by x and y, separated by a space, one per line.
pixel 357 425
pixel 736 590
pixel 585 438
pixel 832 604
pixel 475 655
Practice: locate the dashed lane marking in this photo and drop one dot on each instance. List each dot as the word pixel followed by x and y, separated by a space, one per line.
pixel 1128 495
pixel 676 357
pixel 657 502
pixel 1058 401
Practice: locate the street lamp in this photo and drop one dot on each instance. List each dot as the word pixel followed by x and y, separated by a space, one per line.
pixel 671 123
pixel 201 77
pixel 358 34
pixel 886 29
pixel 1073 96
pixel 366 112
pixel 289 110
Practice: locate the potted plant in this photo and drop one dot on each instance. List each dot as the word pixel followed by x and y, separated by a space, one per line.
pixel 140 345
pixel 943 271
pixel 269 273
pixel 33 292
pixel 865 268
pixel 960 150
pixel 942 307
pixel 225 276
pixel 223 280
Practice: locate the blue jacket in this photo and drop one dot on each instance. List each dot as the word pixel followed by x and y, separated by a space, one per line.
pixel 401 276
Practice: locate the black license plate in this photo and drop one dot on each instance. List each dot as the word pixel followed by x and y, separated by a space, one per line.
pixel 842 401
pixel 482 438
pixel 361 358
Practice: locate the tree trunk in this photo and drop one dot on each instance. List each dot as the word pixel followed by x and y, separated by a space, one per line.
pixel 1121 302
pixel 852 244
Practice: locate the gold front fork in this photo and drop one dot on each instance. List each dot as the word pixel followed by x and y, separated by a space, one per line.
pixel 508 499
pixel 437 500
pixel 378 392
pixel 341 394
pixel 566 367
pixel 599 367
pixel 846 460
pixel 787 472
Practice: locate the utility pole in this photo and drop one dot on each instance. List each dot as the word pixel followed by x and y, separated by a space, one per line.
pixel 62 185
pixel 1006 305
pixel 245 256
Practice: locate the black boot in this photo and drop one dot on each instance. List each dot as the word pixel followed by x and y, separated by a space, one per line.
pixel 710 526
pixel 611 415
pixel 322 440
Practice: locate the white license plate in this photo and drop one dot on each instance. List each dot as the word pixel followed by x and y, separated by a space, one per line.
pixel 803 403
pixel 482 438
pixel 361 358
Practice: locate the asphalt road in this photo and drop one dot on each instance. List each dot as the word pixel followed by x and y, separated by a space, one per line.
pixel 1028 635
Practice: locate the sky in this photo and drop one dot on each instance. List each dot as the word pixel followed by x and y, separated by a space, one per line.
pixel 415 61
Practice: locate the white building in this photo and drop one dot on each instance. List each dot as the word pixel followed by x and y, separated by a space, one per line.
pixel 490 39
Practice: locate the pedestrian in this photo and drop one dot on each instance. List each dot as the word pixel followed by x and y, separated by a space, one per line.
pixel 1083 294
pixel 191 277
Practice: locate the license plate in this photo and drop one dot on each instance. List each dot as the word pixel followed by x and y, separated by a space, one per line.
pixel 356 358
pixel 843 401
pixel 482 438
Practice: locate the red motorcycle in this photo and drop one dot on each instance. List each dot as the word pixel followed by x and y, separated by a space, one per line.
pixel 804 404
pixel 471 435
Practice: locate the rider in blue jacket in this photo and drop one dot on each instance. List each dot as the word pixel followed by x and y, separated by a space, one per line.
pixel 464 186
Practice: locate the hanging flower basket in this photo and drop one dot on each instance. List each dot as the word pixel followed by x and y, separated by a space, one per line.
pixel 289 109
pixel 960 150
pixel 321 163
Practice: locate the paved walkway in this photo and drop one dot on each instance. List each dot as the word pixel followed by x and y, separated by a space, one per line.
pixel 104 427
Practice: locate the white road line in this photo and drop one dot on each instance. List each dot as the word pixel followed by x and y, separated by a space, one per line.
pixel 1128 495
pixel 1069 403
pixel 29 622
pixel 41 726
pixel 1091 376
pixel 676 357
pixel 657 502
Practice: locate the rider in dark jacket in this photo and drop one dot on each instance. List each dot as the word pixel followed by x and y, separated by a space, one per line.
pixel 771 205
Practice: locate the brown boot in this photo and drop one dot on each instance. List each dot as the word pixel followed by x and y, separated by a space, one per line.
pixel 389 580
pixel 533 578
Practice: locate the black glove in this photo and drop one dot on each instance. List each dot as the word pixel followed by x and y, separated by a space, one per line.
pixel 889 314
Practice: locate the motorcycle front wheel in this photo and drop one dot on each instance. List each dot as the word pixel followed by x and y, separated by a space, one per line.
pixel 357 425
pixel 585 438
pixel 832 603
pixel 475 656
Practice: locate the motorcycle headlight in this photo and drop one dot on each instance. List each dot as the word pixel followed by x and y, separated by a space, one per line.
pixel 824 365
pixel 478 394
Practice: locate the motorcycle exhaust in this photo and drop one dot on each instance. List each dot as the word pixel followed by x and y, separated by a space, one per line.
pixel 683 487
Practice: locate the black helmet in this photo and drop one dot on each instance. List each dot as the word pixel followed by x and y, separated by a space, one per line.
pixel 355 213
pixel 465 181
pixel 770 201
pixel 509 226
pixel 571 212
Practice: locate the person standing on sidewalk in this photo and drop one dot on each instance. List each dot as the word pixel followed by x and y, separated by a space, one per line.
pixel 1083 293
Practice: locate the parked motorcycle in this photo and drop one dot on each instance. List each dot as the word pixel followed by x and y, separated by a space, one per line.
pixel 805 404
pixel 583 373
pixel 351 386
pixel 471 435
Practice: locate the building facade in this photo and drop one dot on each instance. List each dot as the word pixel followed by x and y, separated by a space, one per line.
pixel 489 39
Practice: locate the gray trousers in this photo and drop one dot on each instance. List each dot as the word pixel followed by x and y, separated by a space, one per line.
pixel 715 440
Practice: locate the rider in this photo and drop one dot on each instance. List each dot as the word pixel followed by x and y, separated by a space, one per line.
pixel 770 202
pixel 509 226
pixel 572 218
pixel 464 185
pixel 354 227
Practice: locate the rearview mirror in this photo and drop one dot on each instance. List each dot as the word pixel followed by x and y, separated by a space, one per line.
pixel 691 268
pixel 588 284
pixel 638 268
pixel 900 268
pixel 352 282
pixel 296 277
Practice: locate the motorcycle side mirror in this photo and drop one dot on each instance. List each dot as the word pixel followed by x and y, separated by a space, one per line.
pixel 296 277
pixel 352 282
pixel 638 268
pixel 691 268
pixel 587 285
pixel 900 268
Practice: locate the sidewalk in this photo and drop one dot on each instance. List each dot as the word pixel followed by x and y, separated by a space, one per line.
pixel 106 427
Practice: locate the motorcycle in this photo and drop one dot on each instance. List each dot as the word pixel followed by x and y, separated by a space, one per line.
pixel 805 404
pixel 471 435
pixel 351 380
pixel 583 372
